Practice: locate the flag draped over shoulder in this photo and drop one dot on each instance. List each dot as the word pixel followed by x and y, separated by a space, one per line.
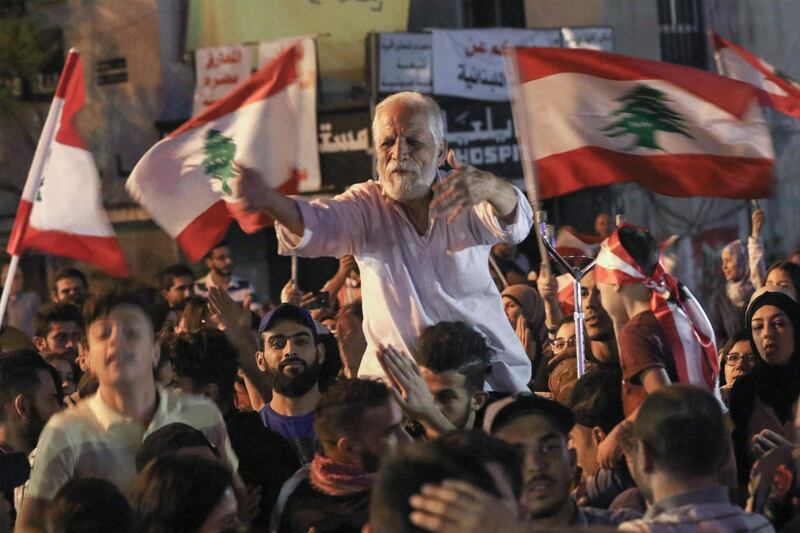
pixel 61 209
pixel 593 118
pixel 776 89
pixel 682 320
pixel 184 179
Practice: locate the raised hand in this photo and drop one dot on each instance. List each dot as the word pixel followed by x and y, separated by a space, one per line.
pixel 467 186
pixel 458 507
pixel 525 337
pixel 290 293
pixel 248 188
pixel 410 390
pixel 757 221
pixel 234 317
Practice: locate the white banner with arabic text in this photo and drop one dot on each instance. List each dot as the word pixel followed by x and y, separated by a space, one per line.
pixel 218 71
pixel 469 63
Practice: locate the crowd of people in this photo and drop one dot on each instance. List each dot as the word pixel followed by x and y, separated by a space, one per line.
pixel 419 389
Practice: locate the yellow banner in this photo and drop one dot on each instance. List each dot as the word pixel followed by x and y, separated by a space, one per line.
pixel 341 26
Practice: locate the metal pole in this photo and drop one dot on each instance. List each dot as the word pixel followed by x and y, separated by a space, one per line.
pixel 577 275
pixel 12 270
pixel 497 270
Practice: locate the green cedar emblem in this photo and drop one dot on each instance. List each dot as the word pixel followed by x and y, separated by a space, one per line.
pixel 644 113
pixel 218 164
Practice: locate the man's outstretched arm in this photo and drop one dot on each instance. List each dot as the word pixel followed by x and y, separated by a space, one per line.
pixel 249 191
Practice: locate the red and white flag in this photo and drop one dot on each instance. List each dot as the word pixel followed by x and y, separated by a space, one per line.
pixel 570 242
pixel 593 118
pixel 183 180
pixel 776 88
pixel 61 209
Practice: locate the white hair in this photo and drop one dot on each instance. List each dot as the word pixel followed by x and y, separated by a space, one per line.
pixel 419 103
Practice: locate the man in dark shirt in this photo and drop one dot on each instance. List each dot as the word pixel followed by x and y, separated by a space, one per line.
pixel 357 423
pixel 291 357
pixel 205 363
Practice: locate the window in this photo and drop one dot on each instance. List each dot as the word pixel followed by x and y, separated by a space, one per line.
pixel 683 39
pixel 491 13
pixel 12 8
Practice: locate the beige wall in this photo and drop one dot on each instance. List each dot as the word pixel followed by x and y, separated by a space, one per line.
pixel 546 13
pixel 635 22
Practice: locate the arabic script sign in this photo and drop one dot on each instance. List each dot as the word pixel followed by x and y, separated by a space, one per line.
pixel 218 71
pixel 469 63
pixel 404 62
pixel 591 37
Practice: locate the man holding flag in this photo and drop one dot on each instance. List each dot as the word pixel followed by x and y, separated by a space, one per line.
pixel 421 242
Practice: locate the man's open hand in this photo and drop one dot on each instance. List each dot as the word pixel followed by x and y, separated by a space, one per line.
pixel 248 187
pixel 467 186
pixel 458 507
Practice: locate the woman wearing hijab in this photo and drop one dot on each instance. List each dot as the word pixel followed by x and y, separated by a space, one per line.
pixel 729 301
pixel 525 311
pixel 764 399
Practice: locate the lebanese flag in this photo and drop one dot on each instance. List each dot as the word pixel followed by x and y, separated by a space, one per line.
pixel 566 294
pixel 572 243
pixel 776 89
pixel 183 180
pixel 593 118
pixel 61 209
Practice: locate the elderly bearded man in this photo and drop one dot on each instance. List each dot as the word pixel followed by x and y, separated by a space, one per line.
pixel 421 241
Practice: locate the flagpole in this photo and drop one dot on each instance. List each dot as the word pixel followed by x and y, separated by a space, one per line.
pixel 546 249
pixel 33 182
pixel 497 271
pixel 519 113
pixel 12 270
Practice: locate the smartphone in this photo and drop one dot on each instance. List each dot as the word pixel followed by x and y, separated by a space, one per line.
pixel 322 299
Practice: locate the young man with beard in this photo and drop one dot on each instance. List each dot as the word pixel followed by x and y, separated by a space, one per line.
pixel 445 391
pixel 177 287
pixel 30 394
pixel 58 329
pixel 71 285
pixel 598 325
pixel 291 357
pixel 100 435
pixel 357 424
pixel 541 428
pixel 205 363
pixel 421 240
pixel 219 262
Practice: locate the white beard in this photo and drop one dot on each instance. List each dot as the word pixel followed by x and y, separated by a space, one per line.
pixel 407 187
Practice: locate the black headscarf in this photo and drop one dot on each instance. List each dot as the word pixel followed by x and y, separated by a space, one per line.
pixel 777 386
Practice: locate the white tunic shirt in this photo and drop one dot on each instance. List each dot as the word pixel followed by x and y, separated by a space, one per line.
pixel 409 281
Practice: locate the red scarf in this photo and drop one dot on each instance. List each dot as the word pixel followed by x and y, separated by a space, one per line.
pixel 683 321
pixel 338 479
